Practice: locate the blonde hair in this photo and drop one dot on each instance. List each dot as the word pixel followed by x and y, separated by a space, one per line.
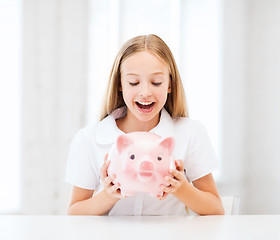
pixel 113 99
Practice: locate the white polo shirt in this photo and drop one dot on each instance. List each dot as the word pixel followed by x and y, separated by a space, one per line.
pixel 91 143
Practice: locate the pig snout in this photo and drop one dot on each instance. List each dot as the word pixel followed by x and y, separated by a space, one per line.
pixel 146 166
pixel 146 170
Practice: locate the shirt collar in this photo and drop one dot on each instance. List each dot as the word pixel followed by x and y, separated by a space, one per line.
pixel 107 130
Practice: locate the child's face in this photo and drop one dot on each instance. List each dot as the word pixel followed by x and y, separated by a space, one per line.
pixel 144 85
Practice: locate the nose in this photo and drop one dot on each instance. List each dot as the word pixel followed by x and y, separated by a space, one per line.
pixel 146 166
pixel 145 90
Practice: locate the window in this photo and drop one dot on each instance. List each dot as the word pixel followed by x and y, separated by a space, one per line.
pixel 10 105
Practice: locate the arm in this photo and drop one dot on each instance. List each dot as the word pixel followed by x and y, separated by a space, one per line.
pixel 202 197
pixel 86 202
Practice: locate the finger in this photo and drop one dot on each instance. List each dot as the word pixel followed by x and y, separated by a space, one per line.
pixel 164 196
pixel 167 190
pixel 103 170
pixel 179 165
pixel 105 166
pixel 106 157
pixel 107 182
pixel 178 175
pixel 113 189
pixel 185 174
pixel 172 181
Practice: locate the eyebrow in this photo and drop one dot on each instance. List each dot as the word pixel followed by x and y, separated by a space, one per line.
pixel 155 73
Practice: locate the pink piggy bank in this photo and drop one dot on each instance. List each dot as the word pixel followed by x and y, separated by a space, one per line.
pixel 140 161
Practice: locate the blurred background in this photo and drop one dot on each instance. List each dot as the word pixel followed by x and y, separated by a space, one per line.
pixel 55 60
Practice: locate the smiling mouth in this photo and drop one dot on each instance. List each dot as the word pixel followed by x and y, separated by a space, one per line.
pixel 145 105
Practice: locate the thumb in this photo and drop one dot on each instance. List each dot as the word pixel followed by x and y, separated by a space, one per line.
pixel 179 165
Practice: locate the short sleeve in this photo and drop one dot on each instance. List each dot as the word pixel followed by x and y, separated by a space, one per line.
pixel 200 158
pixel 81 170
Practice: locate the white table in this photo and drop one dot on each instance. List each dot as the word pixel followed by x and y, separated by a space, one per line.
pixel 144 228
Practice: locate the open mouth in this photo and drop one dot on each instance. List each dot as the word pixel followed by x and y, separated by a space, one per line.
pixel 145 174
pixel 145 105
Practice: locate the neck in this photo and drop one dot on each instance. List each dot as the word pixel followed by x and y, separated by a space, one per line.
pixel 132 124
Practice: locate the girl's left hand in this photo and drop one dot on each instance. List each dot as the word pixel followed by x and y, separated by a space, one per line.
pixel 176 182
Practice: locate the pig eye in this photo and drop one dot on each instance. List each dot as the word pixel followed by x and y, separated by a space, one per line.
pixel 131 156
pixel 159 158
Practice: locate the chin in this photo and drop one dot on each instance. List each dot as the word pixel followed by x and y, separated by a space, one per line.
pixel 146 118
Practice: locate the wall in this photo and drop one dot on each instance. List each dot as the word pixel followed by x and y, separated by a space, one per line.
pixel 251 113
pixel 54 99
pixel 234 27
pixel 262 179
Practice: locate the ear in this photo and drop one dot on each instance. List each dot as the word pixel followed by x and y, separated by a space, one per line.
pixel 168 143
pixel 123 142
pixel 169 85
pixel 120 86
pixel 169 89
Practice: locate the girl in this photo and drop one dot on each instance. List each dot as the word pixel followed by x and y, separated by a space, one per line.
pixel 144 93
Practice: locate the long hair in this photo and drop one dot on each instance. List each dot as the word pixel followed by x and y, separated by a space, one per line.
pixel 113 99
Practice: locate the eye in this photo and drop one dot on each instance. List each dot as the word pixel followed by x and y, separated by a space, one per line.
pixel 131 156
pixel 156 83
pixel 133 83
pixel 159 158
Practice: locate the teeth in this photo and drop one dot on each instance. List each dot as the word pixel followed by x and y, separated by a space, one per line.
pixel 145 103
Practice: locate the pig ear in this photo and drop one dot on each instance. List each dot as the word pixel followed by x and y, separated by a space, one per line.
pixel 168 143
pixel 123 142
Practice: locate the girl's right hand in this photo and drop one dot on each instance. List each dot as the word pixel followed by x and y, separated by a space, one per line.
pixel 113 190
